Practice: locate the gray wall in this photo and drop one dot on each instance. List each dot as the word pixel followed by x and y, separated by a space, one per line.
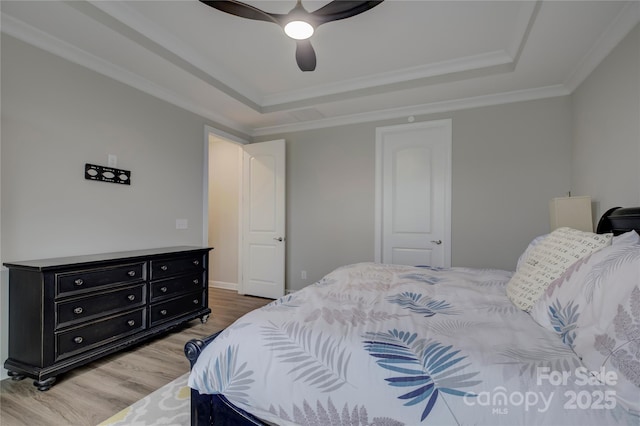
pixel 606 137
pixel 508 162
pixel 57 116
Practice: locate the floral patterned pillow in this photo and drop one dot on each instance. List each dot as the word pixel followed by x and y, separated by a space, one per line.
pixel 595 309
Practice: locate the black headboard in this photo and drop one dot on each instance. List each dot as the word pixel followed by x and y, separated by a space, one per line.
pixel 619 220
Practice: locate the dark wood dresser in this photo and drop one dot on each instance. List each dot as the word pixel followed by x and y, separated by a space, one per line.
pixel 69 311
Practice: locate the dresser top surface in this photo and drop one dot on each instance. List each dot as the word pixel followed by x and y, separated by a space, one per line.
pixel 44 264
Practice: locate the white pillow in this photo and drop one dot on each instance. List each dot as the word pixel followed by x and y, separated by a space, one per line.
pixel 548 260
pixel 525 254
pixel 627 238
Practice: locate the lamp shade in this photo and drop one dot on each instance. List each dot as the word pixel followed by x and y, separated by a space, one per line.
pixel 574 212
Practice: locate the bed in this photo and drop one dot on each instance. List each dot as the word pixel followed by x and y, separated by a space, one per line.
pixel 375 344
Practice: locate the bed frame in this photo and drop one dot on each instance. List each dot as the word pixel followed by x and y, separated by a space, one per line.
pixel 217 410
pixel 619 220
pixel 214 409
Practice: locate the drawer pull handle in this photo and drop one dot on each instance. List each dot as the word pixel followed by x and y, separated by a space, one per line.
pixel 196 301
pixel 196 262
pixel 131 323
pixel 131 297
pixel 196 281
pixel 78 310
pixel 163 312
pixel 79 281
pixel 131 273
pixel 163 289
pixel 164 267
pixel 78 339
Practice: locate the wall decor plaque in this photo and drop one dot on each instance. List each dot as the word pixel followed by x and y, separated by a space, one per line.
pixel 107 174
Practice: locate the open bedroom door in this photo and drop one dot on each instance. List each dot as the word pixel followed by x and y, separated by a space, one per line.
pixel 263 222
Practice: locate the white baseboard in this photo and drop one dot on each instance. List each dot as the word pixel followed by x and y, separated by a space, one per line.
pixel 224 285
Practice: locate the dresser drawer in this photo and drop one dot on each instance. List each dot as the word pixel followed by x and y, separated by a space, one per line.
pixel 99 332
pixel 76 282
pixel 87 308
pixel 174 308
pixel 176 266
pixel 174 286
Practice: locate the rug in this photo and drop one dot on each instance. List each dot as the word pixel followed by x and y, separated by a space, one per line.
pixel 169 405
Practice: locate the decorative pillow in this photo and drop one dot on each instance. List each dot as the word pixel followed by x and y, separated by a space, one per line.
pixel 595 308
pixel 548 260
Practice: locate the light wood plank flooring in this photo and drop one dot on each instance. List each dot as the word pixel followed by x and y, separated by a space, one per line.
pixel 91 394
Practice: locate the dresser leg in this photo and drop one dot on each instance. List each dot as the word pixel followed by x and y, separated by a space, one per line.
pixel 204 319
pixel 44 385
pixel 15 375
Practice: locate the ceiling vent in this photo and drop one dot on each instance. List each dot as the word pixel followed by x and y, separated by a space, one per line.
pixel 307 114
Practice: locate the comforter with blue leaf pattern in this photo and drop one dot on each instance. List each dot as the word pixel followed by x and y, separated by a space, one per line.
pixel 374 344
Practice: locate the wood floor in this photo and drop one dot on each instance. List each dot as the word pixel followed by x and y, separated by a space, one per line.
pixel 91 394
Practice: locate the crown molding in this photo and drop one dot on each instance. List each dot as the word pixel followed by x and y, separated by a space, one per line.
pixel 524 23
pixel 342 89
pixel 127 22
pixel 626 20
pixel 35 37
pixel 120 18
pixel 445 71
pixel 423 109
pixel 149 29
pixel 172 48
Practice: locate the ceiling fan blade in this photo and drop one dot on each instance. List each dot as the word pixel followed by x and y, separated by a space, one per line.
pixel 341 9
pixel 305 55
pixel 243 10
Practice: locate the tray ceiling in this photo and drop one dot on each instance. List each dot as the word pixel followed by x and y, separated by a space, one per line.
pixel 400 58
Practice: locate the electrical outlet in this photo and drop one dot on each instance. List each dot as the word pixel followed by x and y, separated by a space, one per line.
pixel 112 160
pixel 182 223
pixel 303 275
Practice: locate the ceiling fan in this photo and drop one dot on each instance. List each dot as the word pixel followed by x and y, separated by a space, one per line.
pixel 298 23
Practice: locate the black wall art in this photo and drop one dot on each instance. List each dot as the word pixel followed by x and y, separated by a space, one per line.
pixel 107 174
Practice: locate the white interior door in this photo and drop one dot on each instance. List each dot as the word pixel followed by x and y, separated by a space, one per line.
pixel 263 210
pixel 413 194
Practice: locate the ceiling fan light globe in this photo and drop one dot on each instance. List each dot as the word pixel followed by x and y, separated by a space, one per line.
pixel 298 30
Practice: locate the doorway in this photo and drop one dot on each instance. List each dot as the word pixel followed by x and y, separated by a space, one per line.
pixel 244 214
pixel 222 207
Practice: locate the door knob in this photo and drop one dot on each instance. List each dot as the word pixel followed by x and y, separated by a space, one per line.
pixel 279 239
pixel 438 242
